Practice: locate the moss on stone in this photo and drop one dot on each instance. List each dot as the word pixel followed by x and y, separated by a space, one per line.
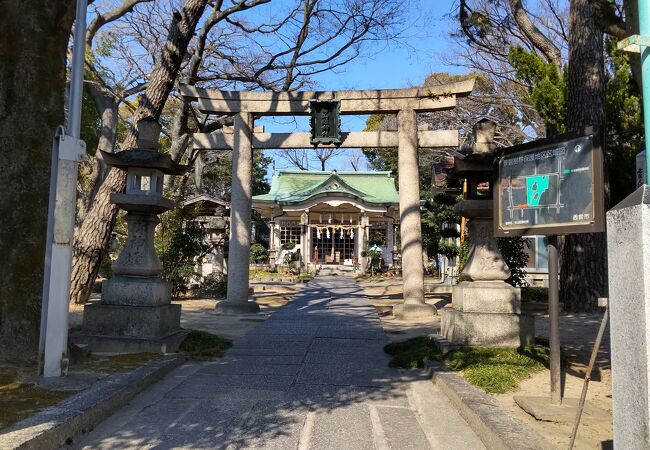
pixel 117 363
pixel 203 346
pixel 18 400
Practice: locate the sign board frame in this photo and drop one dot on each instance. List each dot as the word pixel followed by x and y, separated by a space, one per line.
pixel 596 225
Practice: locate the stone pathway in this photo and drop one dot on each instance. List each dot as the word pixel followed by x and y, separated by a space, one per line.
pixel 312 376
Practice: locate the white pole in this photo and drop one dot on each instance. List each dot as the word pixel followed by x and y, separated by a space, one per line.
pixel 68 149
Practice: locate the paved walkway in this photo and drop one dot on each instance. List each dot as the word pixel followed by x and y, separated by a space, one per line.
pixel 312 376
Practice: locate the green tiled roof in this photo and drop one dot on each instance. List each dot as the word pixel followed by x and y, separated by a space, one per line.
pixel 298 186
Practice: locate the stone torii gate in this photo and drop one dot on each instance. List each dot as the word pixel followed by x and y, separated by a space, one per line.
pixel 246 106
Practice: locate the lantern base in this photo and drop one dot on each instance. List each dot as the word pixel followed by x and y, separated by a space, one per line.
pixel 114 345
pixel 231 307
pixel 486 329
pixel 131 329
pixel 414 312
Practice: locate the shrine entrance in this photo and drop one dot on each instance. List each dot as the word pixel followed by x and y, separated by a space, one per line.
pixel 325 109
pixel 336 248
pixel 330 216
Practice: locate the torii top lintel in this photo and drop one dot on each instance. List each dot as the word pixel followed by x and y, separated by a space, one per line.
pixel 428 99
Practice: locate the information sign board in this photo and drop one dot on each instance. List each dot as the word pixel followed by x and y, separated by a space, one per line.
pixel 550 187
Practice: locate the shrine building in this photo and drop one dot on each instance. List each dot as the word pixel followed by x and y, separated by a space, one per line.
pixel 329 216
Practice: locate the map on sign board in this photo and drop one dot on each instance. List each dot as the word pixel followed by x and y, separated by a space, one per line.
pixel 541 189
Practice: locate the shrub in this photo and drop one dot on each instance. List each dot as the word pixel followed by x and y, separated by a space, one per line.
pixel 258 253
pixel 213 285
pixel 514 254
pixel 376 239
pixel 448 250
pixel 289 245
pixel 534 294
pixel 179 246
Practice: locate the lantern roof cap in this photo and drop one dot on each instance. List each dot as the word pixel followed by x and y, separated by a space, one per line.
pixel 144 158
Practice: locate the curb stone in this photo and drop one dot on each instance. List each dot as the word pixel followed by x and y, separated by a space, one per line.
pixel 497 428
pixel 62 423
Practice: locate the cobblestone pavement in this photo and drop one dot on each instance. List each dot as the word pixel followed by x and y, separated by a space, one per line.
pixel 312 376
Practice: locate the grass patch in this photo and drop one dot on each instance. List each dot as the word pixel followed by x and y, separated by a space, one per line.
pixel 18 400
pixel 203 346
pixel 257 273
pixel 412 353
pixel 495 370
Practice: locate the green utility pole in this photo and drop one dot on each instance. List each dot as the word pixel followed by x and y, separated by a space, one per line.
pixel 641 44
pixel 644 31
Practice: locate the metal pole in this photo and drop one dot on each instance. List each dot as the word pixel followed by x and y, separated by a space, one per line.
pixel 67 149
pixel 77 71
pixel 644 30
pixel 554 320
pixel 590 368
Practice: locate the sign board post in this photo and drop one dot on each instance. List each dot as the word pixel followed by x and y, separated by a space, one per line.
pixel 551 187
pixel 641 176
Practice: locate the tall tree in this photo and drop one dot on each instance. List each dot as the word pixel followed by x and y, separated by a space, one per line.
pixel 480 105
pixel 33 48
pixel 489 29
pixel 584 256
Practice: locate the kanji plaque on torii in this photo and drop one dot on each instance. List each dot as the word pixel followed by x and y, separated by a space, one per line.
pixel 325 120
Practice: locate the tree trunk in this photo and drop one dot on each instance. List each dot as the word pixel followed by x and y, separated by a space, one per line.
pixel 94 170
pixel 33 48
pixel 95 232
pixel 583 274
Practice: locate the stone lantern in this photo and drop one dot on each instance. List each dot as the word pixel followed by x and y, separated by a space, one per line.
pixel 485 310
pixel 135 313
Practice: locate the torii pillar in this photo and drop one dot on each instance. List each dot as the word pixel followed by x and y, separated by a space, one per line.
pixel 413 307
pixel 240 219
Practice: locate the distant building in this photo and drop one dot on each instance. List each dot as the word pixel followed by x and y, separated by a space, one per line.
pixel 329 216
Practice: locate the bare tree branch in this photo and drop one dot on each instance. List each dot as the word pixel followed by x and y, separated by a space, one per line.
pixel 541 42
pixel 103 18
pixel 607 18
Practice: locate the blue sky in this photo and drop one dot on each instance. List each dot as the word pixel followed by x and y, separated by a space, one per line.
pixel 400 65
pixel 392 65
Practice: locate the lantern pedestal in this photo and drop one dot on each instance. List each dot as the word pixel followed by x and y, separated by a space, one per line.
pixel 484 310
pixel 131 329
pixel 135 313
